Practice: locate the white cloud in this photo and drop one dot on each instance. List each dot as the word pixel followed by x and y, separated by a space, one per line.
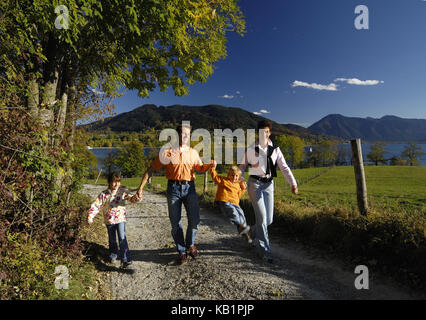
pixel 97 92
pixel 237 92
pixel 226 97
pixel 257 113
pixel 358 82
pixel 315 86
pixel 264 111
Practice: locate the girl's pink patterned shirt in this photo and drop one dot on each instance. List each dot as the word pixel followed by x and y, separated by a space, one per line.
pixel 112 204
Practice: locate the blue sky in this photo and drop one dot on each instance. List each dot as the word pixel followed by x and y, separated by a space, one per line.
pixel 301 60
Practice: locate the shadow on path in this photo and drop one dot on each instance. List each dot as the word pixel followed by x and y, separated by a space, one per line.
pixel 99 256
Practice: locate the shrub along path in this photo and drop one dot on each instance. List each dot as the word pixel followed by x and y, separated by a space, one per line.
pixel 227 267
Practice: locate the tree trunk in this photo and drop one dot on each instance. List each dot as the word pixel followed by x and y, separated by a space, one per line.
pixel 46 113
pixel 70 120
pixel 62 114
pixel 70 123
pixel 51 80
pixel 34 98
pixel 64 178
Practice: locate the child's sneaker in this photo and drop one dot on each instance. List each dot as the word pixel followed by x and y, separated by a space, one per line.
pixel 245 233
pixel 114 261
pixel 247 237
pixel 124 265
pixel 242 230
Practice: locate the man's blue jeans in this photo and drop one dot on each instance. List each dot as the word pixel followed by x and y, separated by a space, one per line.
pixel 262 198
pixel 113 230
pixel 176 195
pixel 233 212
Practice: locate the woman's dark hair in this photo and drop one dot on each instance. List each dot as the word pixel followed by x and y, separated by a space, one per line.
pixel 264 124
pixel 114 176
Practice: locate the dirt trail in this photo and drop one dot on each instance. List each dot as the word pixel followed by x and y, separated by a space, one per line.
pixel 227 267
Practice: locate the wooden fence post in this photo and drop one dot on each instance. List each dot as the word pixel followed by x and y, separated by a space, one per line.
pixel 98 176
pixel 361 185
pixel 205 182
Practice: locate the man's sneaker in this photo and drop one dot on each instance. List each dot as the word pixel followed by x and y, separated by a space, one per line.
pixel 193 252
pixel 125 264
pixel 182 259
pixel 114 261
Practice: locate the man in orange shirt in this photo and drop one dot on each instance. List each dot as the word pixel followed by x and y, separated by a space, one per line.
pixel 179 163
pixel 229 191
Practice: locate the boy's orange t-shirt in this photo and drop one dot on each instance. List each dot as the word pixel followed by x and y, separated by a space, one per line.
pixel 227 191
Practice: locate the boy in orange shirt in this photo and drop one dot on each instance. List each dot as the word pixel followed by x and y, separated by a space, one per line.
pixel 229 191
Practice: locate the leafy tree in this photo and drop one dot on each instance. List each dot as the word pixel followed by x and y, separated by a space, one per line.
pixel 324 154
pixel 396 161
pixel 109 163
pixel 343 156
pixel 131 159
pixel 377 151
pixel 73 73
pixel 84 161
pixel 412 152
pixel 292 148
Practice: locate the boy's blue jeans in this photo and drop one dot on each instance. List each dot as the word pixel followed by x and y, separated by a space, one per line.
pixel 176 195
pixel 233 212
pixel 262 198
pixel 113 230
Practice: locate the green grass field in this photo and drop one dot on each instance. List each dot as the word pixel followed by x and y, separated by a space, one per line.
pixel 390 188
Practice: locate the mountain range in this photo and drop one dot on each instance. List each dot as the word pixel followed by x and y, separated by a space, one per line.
pixel 387 128
pixel 333 126
pixel 208 117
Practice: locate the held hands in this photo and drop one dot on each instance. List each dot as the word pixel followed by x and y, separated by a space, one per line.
pixel 138 195
pixel 135 198
pixel 243 185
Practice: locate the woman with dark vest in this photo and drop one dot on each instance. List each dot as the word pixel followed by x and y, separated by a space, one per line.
pixel 264 160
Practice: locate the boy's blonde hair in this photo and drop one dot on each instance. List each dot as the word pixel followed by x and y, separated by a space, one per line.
pixel 235 169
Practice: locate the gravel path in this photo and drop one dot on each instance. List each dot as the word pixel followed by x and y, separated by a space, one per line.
pixel 227 267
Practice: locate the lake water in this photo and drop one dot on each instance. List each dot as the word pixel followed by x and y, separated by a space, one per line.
pixel 102 153
pixel 394 149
